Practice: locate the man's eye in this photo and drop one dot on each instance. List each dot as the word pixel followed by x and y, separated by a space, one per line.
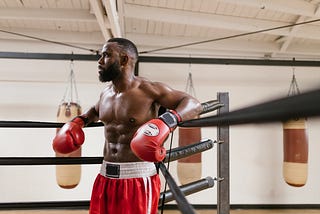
pixel 103 54
pixel 106 54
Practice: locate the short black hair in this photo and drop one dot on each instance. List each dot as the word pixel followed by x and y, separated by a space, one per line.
pixel 126 45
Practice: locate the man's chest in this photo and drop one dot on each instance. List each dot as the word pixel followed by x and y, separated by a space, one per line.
pixel 125 107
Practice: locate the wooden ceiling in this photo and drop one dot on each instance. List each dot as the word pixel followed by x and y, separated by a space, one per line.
pixel 263 29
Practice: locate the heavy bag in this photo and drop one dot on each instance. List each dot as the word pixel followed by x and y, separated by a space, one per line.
pixel 295 148
pixel 189 168
pixel 68 176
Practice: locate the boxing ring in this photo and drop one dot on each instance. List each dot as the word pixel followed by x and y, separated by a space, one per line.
pixel 175 192
pixel 302 105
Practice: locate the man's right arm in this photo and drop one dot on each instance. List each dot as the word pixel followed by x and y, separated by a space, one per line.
pixel 91 115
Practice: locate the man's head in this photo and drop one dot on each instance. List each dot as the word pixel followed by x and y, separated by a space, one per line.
pixel 117 53
pixel 127 46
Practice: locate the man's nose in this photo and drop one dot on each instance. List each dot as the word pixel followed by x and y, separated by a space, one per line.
pixel 100 61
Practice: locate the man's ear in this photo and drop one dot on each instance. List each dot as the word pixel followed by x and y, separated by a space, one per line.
pixel 124 60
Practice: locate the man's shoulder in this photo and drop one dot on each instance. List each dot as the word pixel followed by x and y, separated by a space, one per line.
pixel 152 88
pixel 145 83
pixel 144 80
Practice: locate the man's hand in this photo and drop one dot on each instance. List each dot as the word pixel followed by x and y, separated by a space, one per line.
pixel 147 142
pixel 70 137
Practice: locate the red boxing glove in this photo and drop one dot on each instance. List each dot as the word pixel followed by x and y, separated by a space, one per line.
pixel 147 142
pixel 70 137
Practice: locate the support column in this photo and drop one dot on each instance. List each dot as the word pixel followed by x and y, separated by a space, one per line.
pixel 223 182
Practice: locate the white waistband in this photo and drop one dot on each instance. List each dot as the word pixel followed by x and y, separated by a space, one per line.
pixel 127 169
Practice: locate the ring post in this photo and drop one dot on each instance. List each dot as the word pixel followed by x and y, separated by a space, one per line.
pixel 223 182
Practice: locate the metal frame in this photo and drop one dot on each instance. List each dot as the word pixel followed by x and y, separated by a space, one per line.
pixel 223 165
pixel 162 59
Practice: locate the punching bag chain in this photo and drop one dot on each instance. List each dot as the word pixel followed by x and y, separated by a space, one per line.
pixel 189 86
pixel 294 88
pixel 71 88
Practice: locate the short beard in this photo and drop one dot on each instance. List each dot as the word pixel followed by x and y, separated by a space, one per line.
pixel 109 74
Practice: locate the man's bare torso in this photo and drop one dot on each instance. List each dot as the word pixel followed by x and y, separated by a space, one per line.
pixel 122 114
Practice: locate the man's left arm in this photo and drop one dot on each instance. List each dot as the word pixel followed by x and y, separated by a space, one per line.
pixel 147 143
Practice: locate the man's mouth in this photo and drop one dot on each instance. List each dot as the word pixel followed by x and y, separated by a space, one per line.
pixel 100 70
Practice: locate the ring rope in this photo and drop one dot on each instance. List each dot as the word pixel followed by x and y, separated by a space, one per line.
pixel 206 107
pixel 301 105
pixel 188 189
pixel 176 153
pixel 167 168
pixel 49 160
pixel 185 151
pixel 36 124
pixel 183 205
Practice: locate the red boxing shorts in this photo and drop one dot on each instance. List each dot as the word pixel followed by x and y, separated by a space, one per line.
pixel 126 188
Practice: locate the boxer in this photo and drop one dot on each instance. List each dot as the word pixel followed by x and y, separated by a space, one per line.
pixel 134 134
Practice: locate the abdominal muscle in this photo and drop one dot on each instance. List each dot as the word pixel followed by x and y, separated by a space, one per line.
pixel 118 152
pixel 117 143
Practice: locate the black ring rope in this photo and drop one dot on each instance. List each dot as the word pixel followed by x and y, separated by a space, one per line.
pixel 168 156
pixel 188 189
pixel 184 206
pixel 36 124
pixel 188 150
pixel 206 106
pixel 301 105
pixel 176 153
pixel 49 160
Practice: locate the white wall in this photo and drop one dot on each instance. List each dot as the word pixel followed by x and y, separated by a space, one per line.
pixel 32 90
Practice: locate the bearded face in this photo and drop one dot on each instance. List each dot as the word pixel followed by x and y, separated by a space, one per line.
pixel 109 73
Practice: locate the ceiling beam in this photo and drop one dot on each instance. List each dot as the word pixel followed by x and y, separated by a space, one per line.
pixel 110 8
pixel 293 31
pixel 102 19
pixel 120 5
pixel 288 39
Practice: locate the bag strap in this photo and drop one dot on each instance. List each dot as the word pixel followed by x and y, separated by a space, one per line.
pixel 294 88
pixel 71 92
pixel 189 86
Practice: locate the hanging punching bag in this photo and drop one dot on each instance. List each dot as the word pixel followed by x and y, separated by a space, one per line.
pixel 189 169
pixel 295 146
pixel 295 149
pixel 68 176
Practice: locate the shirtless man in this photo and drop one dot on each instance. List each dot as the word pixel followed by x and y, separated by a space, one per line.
pixel 128 182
